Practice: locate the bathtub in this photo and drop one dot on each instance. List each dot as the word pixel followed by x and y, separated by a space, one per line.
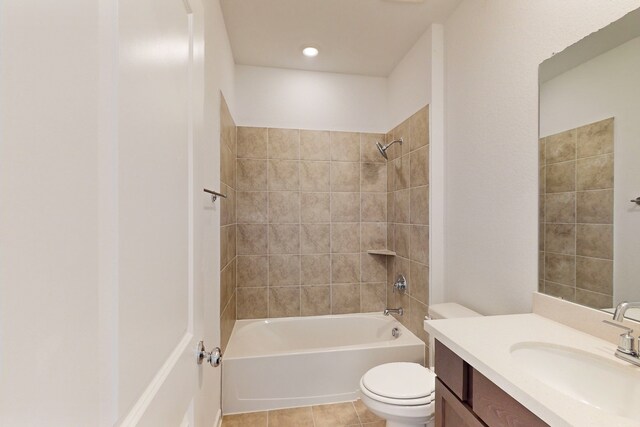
pixel 301 361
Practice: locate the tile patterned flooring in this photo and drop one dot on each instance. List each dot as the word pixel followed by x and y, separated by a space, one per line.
pixel 351 414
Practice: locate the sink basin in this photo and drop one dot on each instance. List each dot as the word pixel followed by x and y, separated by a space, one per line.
pixel 594 380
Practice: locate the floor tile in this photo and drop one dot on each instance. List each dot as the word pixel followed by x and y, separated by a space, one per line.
pixel 254 419
pixel 296 417
pixel 335 415
pixel 365 415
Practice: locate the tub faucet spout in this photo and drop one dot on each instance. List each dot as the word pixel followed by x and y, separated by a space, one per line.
pixel 398 311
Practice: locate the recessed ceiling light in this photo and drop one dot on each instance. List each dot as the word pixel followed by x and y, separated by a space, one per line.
pixel 310 51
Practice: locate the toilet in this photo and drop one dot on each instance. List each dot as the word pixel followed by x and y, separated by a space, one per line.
pixel 403 393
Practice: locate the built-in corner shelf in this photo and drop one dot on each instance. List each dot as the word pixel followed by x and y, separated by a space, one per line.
pixel 385 252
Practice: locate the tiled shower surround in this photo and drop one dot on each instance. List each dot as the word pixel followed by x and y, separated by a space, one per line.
pixel 576 214
pixel 308 206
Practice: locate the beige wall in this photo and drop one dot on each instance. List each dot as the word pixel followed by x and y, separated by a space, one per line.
pixel 576 214
pixel 228 228
pixel 408 219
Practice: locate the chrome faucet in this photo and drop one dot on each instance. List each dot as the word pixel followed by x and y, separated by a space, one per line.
pixel 398 311
pixel 627 349
pixel 622 308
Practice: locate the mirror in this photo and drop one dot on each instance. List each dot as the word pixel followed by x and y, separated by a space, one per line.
pixel 589 154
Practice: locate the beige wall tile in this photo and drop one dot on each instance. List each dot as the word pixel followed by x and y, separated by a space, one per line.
pixel 294 417
pixel 227 166
pixel 404 301
pixel 391 175
pixel 402 204
pixel 227 322
pixel 283 175
pixel 420 128
pixel 252 175
pixel 560 268
pixel 315 238
pixel 542 159
pixel 561 147
pixel 561 177
pixel 345 268
pixel 284 270
pixel 419 164
pixel 228 249
pixel 315 300
pixel 315 207
pixel 345 298
pixel 315 145
pixel 345 207
pixel 284 144
pixel 403 130
pixel 402 172
pixel 595 139
pixel 594 275
pixel 594 240
pixel 373 207
pixel 595 173
pixel 345 146
pixel 391 207
pixel 252 143
pixel 418 313
pixel 419 285
pixel 316 269
pixel 419 205
pixel 252 239
pixel 419 247
pixel 595 207
pixel 252 207
pixel 402 240
pixel 252 303
pixel 374 235
pixel 368 150
pixel 593 300
pixel 345 237
pixel 373 177
pixel 560 208
pixel 373 297
pixel 228 205
pixel 314 176
pixel 227 283
pixel 394 151
pixel 284 239
pixel 560 238
pixel 284 207
pixel 391 236
pixel 542 179
pixel 284 302
pixel 373 268
pixel 253 271
pixel 560 291
pixel 345 176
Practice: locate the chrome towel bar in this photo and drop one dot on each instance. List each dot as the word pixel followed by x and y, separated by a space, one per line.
pixel 214 194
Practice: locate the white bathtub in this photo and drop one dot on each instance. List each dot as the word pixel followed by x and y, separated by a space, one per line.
pixel 300 361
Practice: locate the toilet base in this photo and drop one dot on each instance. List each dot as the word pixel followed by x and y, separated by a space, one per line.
pixel 431 423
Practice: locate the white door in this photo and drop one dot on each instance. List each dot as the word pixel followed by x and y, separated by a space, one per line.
pixel 100 280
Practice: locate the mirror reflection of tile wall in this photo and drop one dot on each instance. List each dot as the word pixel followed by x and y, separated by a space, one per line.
pixel 576 214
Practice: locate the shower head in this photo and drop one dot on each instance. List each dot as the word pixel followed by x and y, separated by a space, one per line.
pixel 383 150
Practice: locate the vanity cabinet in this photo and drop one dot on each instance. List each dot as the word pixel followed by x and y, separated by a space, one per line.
pixel 466 398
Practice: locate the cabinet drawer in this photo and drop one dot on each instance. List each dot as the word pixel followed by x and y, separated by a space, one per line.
pixel 496 408
pixel 452 370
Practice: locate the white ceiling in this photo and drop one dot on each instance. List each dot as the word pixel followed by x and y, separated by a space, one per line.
pixel 354 36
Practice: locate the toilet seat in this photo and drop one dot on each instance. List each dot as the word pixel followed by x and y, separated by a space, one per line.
pixel 399 383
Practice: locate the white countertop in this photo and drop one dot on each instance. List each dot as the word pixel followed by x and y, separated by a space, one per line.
pixel 485 343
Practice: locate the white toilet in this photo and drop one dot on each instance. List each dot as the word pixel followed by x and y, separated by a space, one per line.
pixel 404 393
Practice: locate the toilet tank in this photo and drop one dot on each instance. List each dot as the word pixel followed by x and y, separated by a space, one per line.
pixel 447 310
pixel 450 310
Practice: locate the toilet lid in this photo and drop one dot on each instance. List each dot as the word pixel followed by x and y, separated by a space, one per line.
pixel 400 380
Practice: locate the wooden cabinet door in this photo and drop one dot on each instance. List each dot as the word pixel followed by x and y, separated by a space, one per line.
pixel 451 412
